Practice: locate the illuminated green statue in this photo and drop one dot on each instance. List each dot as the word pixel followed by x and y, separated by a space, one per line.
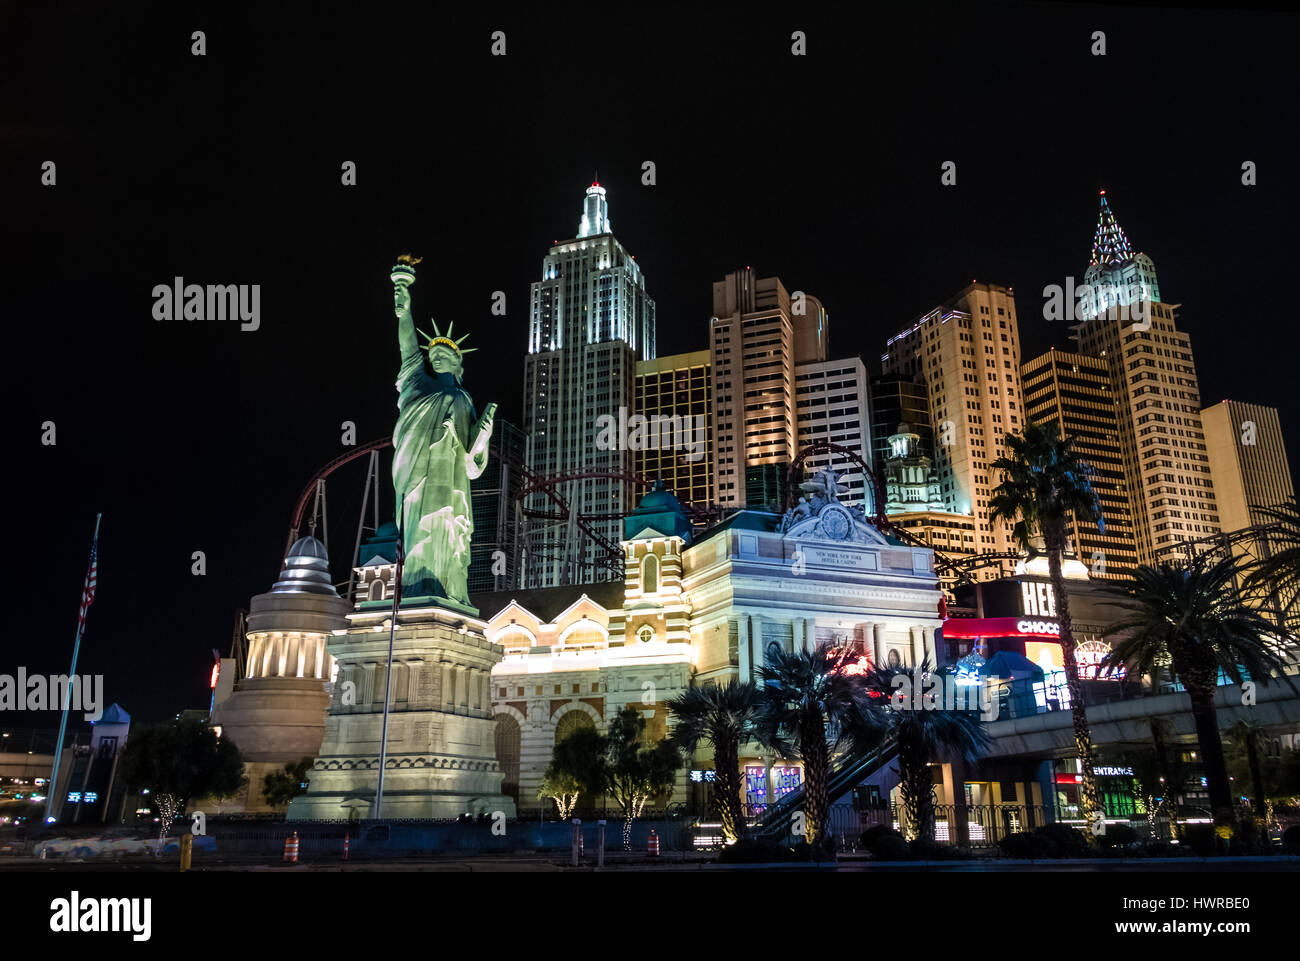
pixel 438 448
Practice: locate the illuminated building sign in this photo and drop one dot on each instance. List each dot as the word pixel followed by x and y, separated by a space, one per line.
pixel 1113 771
pixel 787 779
pixel 1088 655
pixel 1037 600
pixel 216 673
pixel 703 776
pixel 959 627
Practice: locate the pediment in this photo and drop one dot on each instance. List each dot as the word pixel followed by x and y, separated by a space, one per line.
pixel 836 524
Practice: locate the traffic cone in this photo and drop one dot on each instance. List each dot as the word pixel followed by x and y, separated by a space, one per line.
pixel 291 848
pixel 653 846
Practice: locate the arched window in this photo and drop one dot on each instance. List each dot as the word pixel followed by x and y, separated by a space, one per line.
pixel 571 722
pixel 650 574
pixel 506 738
pixel 377 589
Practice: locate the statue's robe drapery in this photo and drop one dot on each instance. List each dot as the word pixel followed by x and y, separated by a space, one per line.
pixel 433 464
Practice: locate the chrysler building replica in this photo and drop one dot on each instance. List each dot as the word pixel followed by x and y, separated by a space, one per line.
pixel 1157 397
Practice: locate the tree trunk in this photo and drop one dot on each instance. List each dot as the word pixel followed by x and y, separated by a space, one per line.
pixel 1089 797
pixel 1207 737
pixel 816 772
pixel 731 811
pixel 917 787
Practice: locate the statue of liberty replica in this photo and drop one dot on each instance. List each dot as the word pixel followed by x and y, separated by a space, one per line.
pixel 438 448
pixel 413 695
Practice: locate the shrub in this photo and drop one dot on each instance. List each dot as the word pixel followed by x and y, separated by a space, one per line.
pixel 926 850
pixel 1118 836
pixel 866 838
pixel 888 845
pixel 1070 842
pixel 1291 839
pixel 1026 845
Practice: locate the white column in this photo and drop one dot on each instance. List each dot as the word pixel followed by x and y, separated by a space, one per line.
pixel 742 645
pixel 917 652
pixel 931 654
pixel 878 644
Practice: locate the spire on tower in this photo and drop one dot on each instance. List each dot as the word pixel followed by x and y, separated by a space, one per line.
pixel 595 213
pixel 1109 244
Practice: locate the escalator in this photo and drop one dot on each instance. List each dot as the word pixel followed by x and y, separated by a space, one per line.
pixel 774 823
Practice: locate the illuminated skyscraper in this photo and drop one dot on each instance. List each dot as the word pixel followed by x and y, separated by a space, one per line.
pixel 967 354
pixel 831 406
pixel 590 321
pixel 1075 392
pixel 1157 398
pixel 1247 461
pixel 758 333
pixel 674 396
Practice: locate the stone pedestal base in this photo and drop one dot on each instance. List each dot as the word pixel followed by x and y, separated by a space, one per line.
pixel 441 758
pixel 275 721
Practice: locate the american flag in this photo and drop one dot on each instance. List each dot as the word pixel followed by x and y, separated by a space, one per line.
pixel 88 592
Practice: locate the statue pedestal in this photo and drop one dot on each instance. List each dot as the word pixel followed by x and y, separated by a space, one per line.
pixel 441 752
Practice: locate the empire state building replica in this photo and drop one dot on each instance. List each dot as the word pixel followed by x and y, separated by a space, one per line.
pixel 590 321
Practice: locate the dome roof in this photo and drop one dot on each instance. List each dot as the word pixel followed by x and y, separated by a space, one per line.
pixel 660 500
pixel 306 570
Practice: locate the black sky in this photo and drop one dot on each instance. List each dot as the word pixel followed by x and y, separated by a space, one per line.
pixel 823 170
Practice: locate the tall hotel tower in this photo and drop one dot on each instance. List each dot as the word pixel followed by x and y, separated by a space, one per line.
pixel 758 334
pixel 590 321
pixel 967 354
pixel 1157 399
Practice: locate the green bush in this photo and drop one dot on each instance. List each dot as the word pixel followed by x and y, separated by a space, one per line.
pixel 884 843
pixel 1025 845
pixel 1291 839
pixel 925 850
pixel 1070 842
pixel 1118 836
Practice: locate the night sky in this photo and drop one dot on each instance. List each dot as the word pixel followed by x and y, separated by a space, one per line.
pixel 823 170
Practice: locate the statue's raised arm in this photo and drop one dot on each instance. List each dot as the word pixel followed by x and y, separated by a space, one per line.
pixel 438 448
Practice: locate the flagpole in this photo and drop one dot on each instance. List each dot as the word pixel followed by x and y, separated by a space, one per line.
pixel 388 675
pixel 67 692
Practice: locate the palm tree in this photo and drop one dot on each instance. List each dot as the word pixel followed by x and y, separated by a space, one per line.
pixel 809 709
pixel 1277 573
pixel 725 717
pixel 1043 483
pixel 924 732
pixel 1191 619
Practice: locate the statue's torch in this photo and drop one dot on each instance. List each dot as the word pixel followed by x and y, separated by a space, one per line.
pixel 403 272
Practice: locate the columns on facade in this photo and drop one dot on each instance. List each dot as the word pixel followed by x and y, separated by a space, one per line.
pixel 446 692
pixel 877 639
pixel 918 651
pixel 742 646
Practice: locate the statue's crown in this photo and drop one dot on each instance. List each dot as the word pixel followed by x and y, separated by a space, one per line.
pixel 440 339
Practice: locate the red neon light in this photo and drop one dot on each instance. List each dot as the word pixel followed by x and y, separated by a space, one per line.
pixel 965 627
